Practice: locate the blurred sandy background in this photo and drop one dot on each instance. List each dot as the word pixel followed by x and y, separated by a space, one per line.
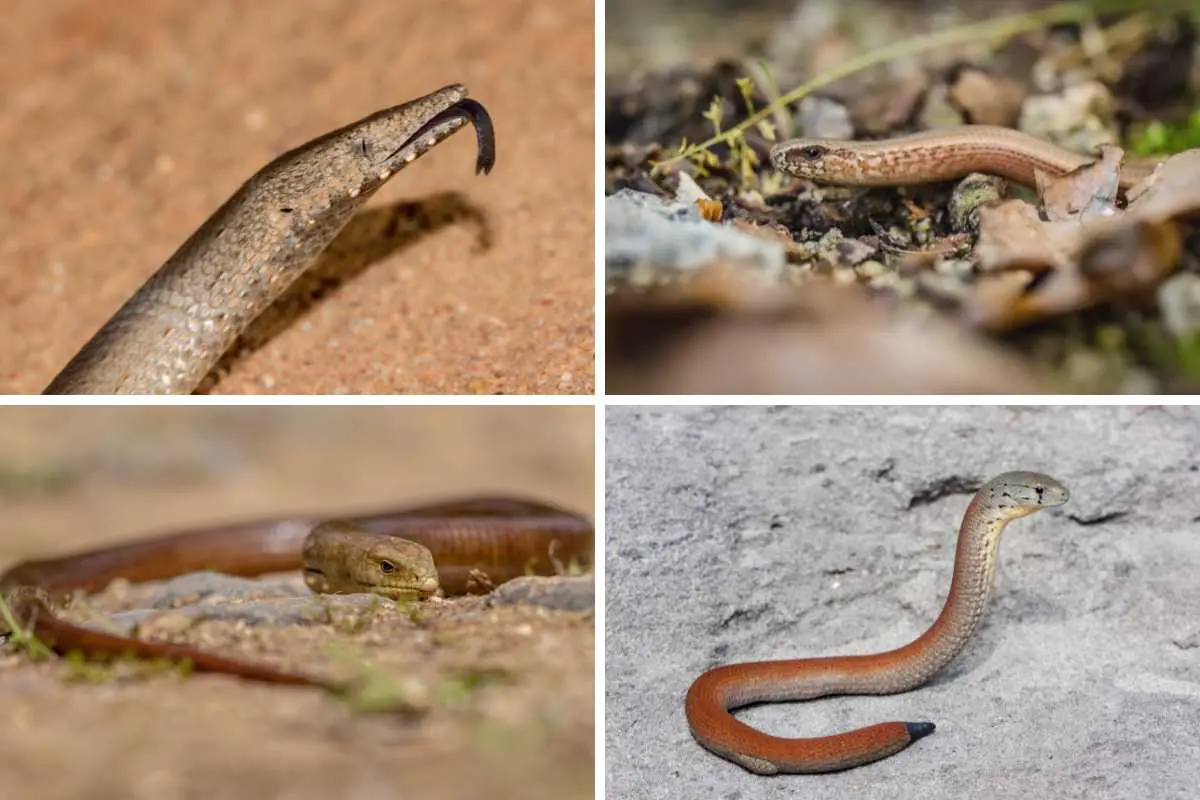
pixel 663 34
pixel 81 476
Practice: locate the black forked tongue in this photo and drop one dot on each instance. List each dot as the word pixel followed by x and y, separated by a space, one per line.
pixel 485 136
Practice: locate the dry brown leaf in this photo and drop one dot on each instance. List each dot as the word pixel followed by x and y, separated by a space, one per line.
pixel 1133 257
pixel 767 232
pixel 1005 300
pixel 1091 189
pixel 1122 261
pixel 711 210
pixel 1012 232
pixel 987 99
pixel 1172 192
pixel 885 102
pixel 1088 253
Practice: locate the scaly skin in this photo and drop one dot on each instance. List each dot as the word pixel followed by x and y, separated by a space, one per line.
pixel 472 544
pixel 342 558
pixel 716 692
pixel 936 155
pixel 170 334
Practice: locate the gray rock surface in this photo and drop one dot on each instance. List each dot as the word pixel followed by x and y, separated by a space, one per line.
pixel 210 596
pixel 277 601
pixel 647 240
pixel 561 593
pixel 738 534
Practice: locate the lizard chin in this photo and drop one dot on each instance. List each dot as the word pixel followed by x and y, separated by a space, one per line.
pixel 422 591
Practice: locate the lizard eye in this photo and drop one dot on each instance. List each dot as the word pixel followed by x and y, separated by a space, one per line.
pixel 812 152
pixel 363 148
pixel 386 567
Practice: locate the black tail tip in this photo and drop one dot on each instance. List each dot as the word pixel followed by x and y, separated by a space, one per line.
pixel 919 730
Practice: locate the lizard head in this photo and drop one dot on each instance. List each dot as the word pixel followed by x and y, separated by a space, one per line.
pixel 340 558
pixel 390 139
pixel 346 166
pixel 1018 494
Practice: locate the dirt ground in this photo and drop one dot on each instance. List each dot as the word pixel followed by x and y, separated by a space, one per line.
pixel 123 128
pixel 507 691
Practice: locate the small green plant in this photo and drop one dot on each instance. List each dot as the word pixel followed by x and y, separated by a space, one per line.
pixel 742 157
pixel 1187 355
pixel 1158 138
pixel 20 638
pixel 1168 353
pixel 80 668
pixel 570 568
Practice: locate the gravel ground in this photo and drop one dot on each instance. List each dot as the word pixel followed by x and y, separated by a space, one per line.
pixel 737 534
pixel 509 688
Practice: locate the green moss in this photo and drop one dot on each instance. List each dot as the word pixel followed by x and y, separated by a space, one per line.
pixel 372 690
pixel 81 668
pixel 459 690
pixel 1187 355
pixel 1177 357
pixel 1159 138
pixel 21 481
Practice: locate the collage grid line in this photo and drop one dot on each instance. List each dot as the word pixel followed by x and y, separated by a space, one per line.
pixel 857 455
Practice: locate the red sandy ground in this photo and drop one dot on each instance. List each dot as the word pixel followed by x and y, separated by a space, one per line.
pixel 124 125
